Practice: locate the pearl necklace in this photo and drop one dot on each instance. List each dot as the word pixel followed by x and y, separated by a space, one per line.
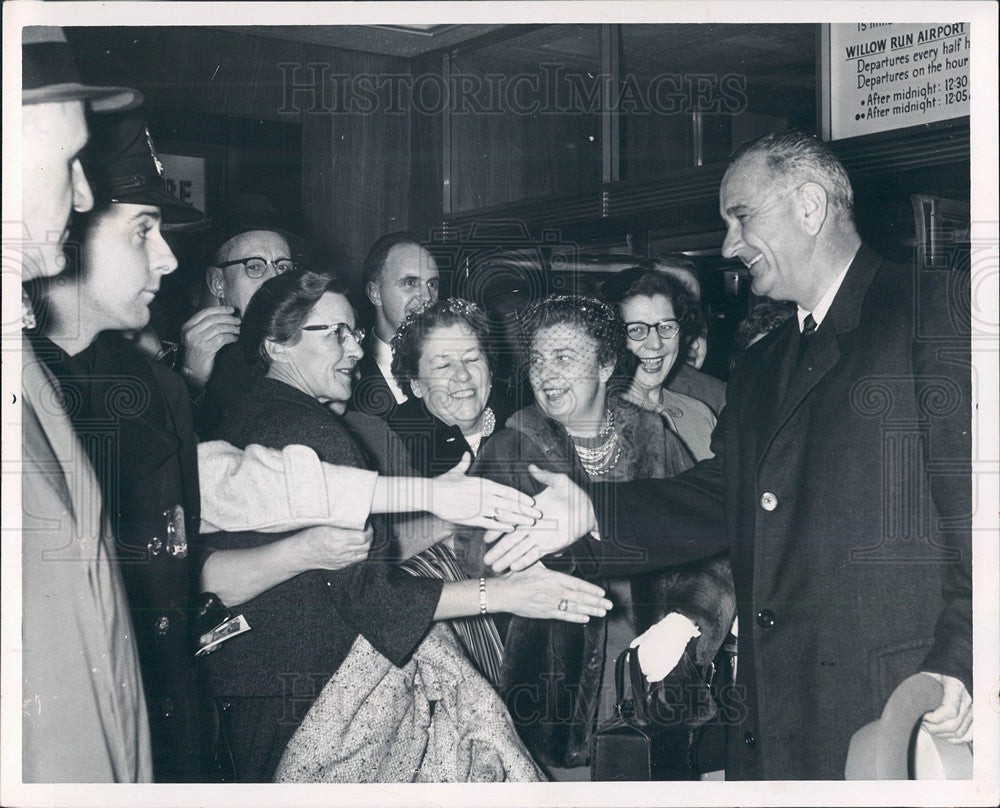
pixel 603 458
pixel 489 422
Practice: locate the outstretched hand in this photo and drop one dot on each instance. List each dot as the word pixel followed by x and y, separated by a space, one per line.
pixel 464 500
pixel 543 594
pixel 567 514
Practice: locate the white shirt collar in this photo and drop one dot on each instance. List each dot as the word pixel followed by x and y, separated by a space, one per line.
pixel 382 354
pixel 825 302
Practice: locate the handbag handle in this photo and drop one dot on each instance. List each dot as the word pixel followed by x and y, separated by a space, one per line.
pixel 635 702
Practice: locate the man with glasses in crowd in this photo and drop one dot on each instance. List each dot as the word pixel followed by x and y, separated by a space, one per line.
pixel 252 248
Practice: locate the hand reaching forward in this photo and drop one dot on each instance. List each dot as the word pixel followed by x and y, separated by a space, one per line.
pixel 952 720
pixel 474 501
pixel 202 337
pixel 567 514
pixel 538 592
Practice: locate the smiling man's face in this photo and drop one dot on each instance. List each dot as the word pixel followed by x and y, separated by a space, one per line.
pixel 763 230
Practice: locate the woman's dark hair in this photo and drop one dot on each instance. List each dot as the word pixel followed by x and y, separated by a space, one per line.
pixel 649 279
pixel 408 342
pixel 279 308
pixel 765 317
pixel 594 318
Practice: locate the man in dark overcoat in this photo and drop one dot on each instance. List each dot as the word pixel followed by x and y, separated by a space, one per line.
pixel 841 482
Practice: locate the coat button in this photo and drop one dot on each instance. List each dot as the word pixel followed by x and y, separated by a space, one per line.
pixel 768 501
pixel 167 707
pixel 749 739
pixel 162 625
pixel 765 618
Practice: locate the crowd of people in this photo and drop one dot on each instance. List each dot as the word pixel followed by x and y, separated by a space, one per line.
pixel 313 546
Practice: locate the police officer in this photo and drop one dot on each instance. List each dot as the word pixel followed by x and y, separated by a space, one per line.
pixel 133 417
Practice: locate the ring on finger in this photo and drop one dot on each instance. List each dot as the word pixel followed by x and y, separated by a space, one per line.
pixel 495 516
pixel 563 605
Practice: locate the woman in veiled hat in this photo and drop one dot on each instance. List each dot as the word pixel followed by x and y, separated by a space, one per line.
pixel 559 679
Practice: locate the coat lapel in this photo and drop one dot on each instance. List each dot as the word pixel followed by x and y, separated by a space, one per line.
pixel 798 375
pixel 810 364
pixel 770 387
pixel 46 453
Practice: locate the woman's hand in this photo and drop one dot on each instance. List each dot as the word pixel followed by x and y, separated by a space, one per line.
pixel 474 501
pixel 662 645
pixel 537 592
pixel 330 548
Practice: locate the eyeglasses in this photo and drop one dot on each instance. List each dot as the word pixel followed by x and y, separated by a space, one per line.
pixel 667 329
pixel 255 267
pixel 342 330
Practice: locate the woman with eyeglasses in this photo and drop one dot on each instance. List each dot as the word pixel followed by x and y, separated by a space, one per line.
pixel 299 328
pixel 662 319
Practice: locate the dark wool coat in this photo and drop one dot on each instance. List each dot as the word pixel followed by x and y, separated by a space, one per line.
pixel 232 376
pixel 433 446
pixel 844 492
pixel 371 394
pixel 134 418
pixel 302 629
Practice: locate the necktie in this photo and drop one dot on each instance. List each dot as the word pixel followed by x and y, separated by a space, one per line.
pixel 805 362
pixel 808 327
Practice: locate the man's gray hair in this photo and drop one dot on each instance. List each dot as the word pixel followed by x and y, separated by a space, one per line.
pixel 801 157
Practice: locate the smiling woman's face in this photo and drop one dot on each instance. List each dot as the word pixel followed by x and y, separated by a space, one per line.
pixel 570 385
pixel 454 378
pixel 319 364
pixel 656 354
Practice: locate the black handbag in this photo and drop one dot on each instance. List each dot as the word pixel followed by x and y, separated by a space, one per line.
pixel 640 742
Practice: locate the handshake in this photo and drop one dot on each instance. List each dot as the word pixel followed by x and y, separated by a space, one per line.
pixel 565 515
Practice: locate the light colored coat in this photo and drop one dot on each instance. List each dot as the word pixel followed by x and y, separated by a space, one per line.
pixel 84 710
pixel 434 720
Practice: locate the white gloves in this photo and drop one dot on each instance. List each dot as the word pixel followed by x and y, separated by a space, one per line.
pixel 662 645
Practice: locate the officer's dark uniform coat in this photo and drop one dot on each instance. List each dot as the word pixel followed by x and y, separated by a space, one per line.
pixel 133 416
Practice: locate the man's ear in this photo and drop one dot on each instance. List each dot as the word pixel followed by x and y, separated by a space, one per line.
pixel 216 282
pixel 418 391
pixel 374 294
pixel 813 203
